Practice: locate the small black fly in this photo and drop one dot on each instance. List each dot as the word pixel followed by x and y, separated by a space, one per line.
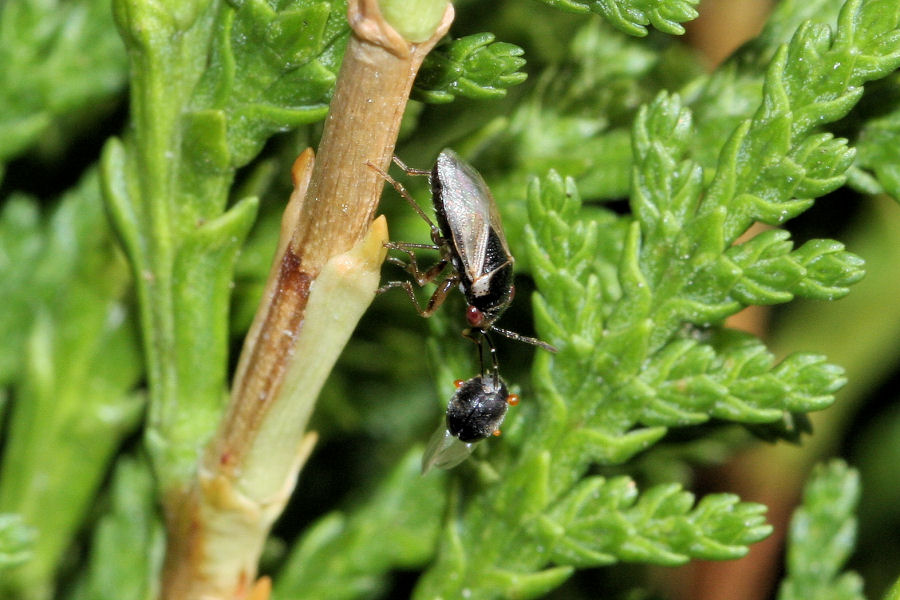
pixel 469 237
pixel 475 412
pixel 477 408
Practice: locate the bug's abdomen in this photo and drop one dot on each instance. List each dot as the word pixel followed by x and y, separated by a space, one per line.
pixel 491 291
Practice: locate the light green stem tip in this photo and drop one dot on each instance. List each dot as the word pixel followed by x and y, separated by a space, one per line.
pixel 415 20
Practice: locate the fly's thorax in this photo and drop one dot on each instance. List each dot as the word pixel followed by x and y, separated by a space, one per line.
pixel 477 409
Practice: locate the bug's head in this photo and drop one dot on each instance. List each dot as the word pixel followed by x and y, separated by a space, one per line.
pixel 482 313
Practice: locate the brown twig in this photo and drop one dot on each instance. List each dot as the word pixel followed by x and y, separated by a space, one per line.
pixel 324 275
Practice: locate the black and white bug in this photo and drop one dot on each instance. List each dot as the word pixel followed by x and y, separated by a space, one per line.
pixel 475 412
pixel 469 237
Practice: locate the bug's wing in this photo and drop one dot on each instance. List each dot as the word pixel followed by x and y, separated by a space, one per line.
pixel 470 211
pixel 496 225
pixel 470 236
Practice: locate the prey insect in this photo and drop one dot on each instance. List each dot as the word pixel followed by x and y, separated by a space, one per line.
pixel 479 405
pixel 469 238
pixel 475 412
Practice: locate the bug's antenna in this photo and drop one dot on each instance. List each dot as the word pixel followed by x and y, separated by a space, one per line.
pixel 524 338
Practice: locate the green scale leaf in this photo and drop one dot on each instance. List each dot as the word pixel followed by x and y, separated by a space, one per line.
pixel 775 162
pixel 336 557
pixel 635 305
pixel 877 168
pixel 244 71
pixel 610 521
pixel 59 59
pixel 21 244
pixel 16 541
pixel 707 279
pixel 474 66
pixel 114 570
pixel 264 77
pixel 821 537
pixel 632 16
pixel 78 363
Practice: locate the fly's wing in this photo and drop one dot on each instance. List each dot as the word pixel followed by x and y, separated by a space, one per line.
pixel 445 451
pixel 470 210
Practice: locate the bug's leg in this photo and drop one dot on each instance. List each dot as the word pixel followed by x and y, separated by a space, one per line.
pixel 495 365
pixel 476 336
pixel 435 232
pixel 424 277
pixel 406 285
pixel 410 170
pixel 479 336
pixel 440 294
pixel 412 267
pixel 469 334
pixel 407 246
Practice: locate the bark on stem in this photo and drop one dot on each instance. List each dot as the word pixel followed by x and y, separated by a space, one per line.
pixel 249 468
pixel 373 87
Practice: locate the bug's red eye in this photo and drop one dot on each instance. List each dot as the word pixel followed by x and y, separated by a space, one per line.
pixel 458 383
pixel 512 399
pixel 474 316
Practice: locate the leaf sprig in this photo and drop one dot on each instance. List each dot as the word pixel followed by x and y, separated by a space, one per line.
pixel 258 64
pixel 474 66
pixel 633 16
pixel 603 521
pixel 73 373
pixel 336 558
pixel 59 58
pixel 16 541
pixel 635 304
pixel 821 537
pixel 167 187
pixel 876 170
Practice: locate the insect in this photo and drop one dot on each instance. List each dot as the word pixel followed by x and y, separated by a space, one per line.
pixel 469 237
pixel 475 412
pixel 478 408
